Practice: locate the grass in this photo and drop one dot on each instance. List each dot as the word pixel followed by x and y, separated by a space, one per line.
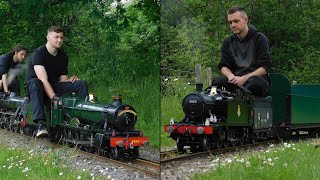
pixel 173 93
pixel 285 161
pixel 18 163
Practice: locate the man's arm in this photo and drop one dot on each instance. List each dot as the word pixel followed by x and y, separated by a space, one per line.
pixel 227 72
pixel 42 75
pixel 243 79
pixel 5 82
pixel 258 72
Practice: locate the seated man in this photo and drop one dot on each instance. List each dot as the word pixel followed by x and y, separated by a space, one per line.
pixel 245 55
pixel 8 62
pixel 48 73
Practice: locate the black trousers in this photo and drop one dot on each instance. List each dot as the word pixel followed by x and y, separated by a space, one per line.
pixel 14 87
pixel 256 84
pixel 35 90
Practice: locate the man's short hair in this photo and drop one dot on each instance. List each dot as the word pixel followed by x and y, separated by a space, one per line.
pixel 236 9
pixel 55 29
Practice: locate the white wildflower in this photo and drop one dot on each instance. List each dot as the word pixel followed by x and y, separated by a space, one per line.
pixel 4 166
pixel 228 160
pixel 285 164
pixel 216 160
pixel 9 167
pixel 276 158
pixel 248 164
pixel 91 174
pixel 79 177
pixel 60 174
pixel 166 79
pixel 83 169
pixel 271 145
pixel 240 160
pixel 271 164
pixel 176 79
pixel 269 159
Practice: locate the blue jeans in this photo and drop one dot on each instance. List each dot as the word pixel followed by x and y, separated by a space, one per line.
pixel 35 90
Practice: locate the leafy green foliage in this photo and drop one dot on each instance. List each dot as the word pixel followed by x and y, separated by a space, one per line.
pixel 192 32
pixel 113 47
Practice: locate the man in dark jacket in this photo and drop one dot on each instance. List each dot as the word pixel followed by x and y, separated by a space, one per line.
pixel 8 63
pixel 245 57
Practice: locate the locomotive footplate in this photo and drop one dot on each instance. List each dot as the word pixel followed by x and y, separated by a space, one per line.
pixel 128 142
pixel 121 139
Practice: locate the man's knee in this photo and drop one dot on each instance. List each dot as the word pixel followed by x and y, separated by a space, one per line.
pixel 220 79
pixel 81 87
pixel 80 84
pixel 258 85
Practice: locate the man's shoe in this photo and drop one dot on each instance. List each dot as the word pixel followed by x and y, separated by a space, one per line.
pixel 42 131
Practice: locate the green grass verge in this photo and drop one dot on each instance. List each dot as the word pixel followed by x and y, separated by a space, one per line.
pixel 286 161
pixel 171 100
pixel 17 163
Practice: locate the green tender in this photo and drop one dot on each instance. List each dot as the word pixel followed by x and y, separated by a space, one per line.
pixel 305 104
pixel 279 91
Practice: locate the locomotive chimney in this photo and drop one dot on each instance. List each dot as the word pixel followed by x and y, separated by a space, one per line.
pixel 199 83
pixel 117 100
pixel 199 86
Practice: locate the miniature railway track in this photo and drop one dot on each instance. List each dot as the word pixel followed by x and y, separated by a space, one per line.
pixel 146 167
pixel 173 155
pixel 149 168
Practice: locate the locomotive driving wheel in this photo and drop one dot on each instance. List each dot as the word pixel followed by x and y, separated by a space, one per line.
pixel 15 128
pixel 204 144
pixel 219 145
pixel 234 143
pixel 114 154
pixel 180 144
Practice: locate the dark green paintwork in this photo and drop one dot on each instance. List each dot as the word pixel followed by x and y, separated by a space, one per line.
pixel 305 104
pixel 262 113
pixel 233 117
pixel 279 90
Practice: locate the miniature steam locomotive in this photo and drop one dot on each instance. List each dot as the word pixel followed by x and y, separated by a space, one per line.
pixel 228 115
pixel 104 128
